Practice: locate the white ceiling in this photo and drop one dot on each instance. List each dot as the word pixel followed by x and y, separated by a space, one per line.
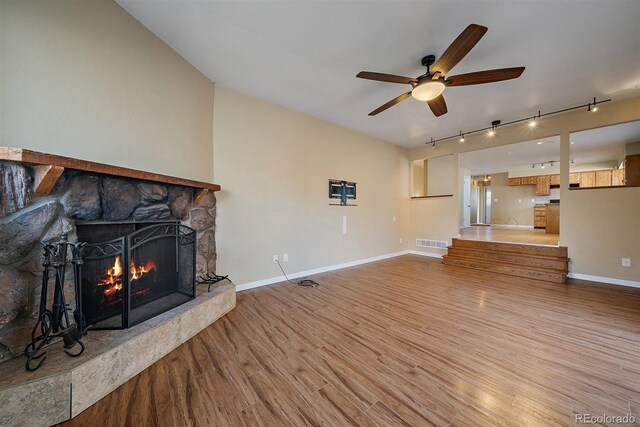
pixel 606 144
pixel 513 156
pixel 602 144
pixel 305 54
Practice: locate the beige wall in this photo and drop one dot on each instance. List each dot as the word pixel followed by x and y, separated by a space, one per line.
pixel 440 171
pixel 274 165
pixel 600 226
pixel 511 204
pixel 85 79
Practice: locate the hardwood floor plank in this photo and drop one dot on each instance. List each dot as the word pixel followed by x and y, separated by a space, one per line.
pixel 400 342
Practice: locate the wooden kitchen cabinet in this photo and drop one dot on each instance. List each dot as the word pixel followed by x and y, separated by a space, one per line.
pixel 574 178
pixel 514 181
pixel 555 180
pixel 603 178
pixel 528 180
pixel 553 218
pixel 632 170
pixel 587 179
pixel 617 177
pixel 540 216
pixel 543 185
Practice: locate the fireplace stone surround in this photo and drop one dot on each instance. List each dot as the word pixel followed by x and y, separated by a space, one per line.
pixel 43 196
pixel 27 216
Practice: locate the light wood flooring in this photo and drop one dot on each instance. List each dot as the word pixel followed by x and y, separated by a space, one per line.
pixel 514 235
pixel 402 342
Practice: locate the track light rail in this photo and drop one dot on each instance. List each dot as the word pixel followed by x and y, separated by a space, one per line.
pixel 591 106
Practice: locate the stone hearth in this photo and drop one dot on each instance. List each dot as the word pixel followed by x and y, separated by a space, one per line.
pixel 27 218
pixel 65 386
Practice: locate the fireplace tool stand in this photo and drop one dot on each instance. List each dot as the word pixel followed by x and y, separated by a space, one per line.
pixel 53 322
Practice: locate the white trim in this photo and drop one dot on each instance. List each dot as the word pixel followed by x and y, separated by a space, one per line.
pixel 609 280
pixel 429 254
pixel 277 279
pixel 511 226
pixel 299 274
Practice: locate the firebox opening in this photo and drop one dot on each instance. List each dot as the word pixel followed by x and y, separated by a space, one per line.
pixel 134 271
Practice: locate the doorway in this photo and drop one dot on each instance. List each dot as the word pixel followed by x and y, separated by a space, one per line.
pixel 466 202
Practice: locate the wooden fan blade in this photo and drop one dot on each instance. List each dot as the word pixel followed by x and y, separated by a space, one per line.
pixel 481 77
pixel 390 78
pixel 438 106
pixel 391 103
pixel 459 48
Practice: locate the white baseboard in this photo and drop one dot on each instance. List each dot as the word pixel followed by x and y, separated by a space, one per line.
pixel 277 279
pixel 299 274
pixel 429 254
pixel 609 280
pixel 511 226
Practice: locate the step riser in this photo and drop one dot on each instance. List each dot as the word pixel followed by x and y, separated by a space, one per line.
pixel 505 269
pixel 512 248
pixel 559 265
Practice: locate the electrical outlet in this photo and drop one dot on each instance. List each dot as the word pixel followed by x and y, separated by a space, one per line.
pixel 275 259
pixel 401 241
pixel 495 200
pixel 394 218
pixel 519 200
pixel 626 262
pixel 285 257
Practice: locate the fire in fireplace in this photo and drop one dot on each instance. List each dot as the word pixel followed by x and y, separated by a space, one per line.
pixel 159 273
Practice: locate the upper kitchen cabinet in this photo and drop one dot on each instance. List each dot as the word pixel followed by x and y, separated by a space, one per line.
pixel 543 185
pixel 606 157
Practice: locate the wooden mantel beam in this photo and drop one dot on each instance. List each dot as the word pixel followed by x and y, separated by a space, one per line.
pixel 46 177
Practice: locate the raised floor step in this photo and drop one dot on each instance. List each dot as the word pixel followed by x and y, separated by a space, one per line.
pixel 513 248
pixel 553 263
pixel 542 274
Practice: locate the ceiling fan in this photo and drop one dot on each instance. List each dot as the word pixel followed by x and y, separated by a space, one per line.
pixel 429 86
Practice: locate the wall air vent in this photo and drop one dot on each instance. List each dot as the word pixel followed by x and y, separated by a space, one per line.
pixel 424 243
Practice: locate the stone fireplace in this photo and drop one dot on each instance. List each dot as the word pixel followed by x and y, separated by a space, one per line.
pixel 99 207
pixel 148 237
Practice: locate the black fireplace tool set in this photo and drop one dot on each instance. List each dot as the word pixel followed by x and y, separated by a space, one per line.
pixel 53 320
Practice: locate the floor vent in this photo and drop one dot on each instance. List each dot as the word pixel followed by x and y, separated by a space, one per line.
pixel 424 243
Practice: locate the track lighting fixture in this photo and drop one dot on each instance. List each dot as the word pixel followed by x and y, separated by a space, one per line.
pixel 532 121
pixel 433 143
pixel 544 164
pixel 573 162
pixel 494 126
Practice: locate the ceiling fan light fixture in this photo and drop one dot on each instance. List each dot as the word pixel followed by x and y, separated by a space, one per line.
pixel 428 90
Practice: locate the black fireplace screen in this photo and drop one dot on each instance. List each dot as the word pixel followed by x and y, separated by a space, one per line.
pixel 146 271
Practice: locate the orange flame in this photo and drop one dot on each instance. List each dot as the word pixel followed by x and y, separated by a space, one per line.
pixel 139 271
pixel 113 277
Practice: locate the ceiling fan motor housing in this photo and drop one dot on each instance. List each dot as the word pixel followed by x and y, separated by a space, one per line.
pixel 428 60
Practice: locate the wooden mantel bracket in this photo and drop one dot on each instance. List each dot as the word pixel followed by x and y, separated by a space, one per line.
pixel 200 194
pixel 45 177
pixel 49 167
